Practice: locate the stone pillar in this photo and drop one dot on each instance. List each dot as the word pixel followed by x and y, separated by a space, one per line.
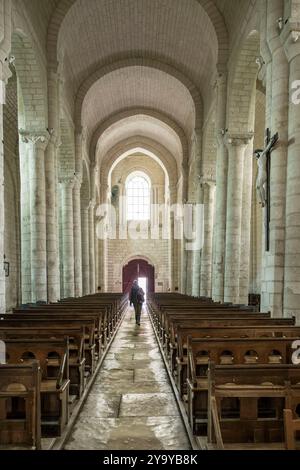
pixel 2 209
pixel 85 250
pixel 196 273
pixel 92 246
pixel 36 143
pixel 51 221
pixel 53 274
pixel 221 191
pixel 66 195
pixel 246 226
pixel 196 171
pixel 189 271
pixel 291 38
pixel 275 258
pixel 25 224
pixel 5 45
pixel 206 257
pixel 236 145
pixel 97 272
pixel 77 238
pixel 174 276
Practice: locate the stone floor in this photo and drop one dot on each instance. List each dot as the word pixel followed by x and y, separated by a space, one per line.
pixel 131 405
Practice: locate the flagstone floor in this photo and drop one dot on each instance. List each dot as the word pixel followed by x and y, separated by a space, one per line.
pixel 131 405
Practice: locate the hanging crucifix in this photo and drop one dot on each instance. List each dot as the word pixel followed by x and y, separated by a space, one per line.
pixel 263 183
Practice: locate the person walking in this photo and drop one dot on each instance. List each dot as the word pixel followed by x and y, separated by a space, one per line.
pixel 136 299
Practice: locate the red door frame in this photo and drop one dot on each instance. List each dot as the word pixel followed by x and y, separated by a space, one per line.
pixel 138 268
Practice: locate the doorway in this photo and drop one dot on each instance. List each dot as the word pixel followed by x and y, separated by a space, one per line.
pixel 142 271
pixel 143 284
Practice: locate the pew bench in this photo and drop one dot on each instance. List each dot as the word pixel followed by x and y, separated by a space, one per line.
pixel 246 404
pixel 20 422
pixel 180 334
pixel 76 349
pixel 225 351
pixel 291 429
pixel 54 389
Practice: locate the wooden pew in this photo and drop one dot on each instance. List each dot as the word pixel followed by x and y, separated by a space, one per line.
pixel 76 348
pixel 229 351
pixel 180 334
pixel 246 404
pixel 226 319
pixel 20 422
pixel 55 381
pixel 66 322
pixel 101 333
pixel 291 429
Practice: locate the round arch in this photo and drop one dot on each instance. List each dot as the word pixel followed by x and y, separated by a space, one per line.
pixel 32 107
pixel 127 62
pixel 208 6
pixel 123 114
pixel 245 71
pixel 166 159
pixel 148 266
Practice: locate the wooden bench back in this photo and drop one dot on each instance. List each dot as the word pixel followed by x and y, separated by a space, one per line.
pixel 20 382
pixel 246 403
pixel 241 350
pixel 22 351
pixel 75 336
pixel 291 428
pixel 180 333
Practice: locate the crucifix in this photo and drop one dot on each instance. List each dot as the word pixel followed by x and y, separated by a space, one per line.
pixel 263 181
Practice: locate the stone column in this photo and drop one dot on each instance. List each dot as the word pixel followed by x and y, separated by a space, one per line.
pixel 36 143
pixel 189 271
pixel 92 246
pixel 196 154
pixel 246 226
pixel 25 224
pixel 51 221
pixel 196 273
pixel 174 276
pixel 206 257
pixel 275 258
pixel 2 209
pixel 77 238
pixel 291 38
pixel 66 195
pixel 53 274
pixel 97 272
pixel 5 45
pixel 85 250
pixel 236 145
pixel 221 191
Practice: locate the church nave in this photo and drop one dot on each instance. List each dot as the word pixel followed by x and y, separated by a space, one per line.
pixel 131 405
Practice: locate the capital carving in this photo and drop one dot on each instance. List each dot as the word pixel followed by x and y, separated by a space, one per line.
pixel 220 136
pixel 92 204
pixel 207 182
pixel 77 181
pixel 36 138
pixel 290 36
pixel 67 182
pixel 5 74
pixel 295 36
pixel 238 139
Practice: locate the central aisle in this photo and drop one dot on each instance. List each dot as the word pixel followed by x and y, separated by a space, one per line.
pixel 131 404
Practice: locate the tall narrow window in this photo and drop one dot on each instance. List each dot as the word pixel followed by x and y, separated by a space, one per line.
pixel 138 197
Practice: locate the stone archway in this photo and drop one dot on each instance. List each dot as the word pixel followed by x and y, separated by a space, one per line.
pixel 138 268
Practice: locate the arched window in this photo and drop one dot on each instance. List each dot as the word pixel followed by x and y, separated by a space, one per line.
pixel 138 196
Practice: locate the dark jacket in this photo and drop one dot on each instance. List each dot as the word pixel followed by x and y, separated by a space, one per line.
pixel 133 294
